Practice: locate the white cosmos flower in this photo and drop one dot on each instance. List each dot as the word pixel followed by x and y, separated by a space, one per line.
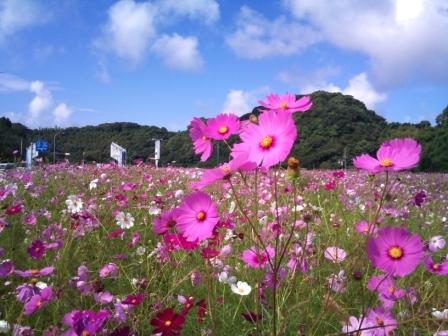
pixel 179 193
pixel 241 288
pixel 74 204
pixel 225 279
pixel 4 327
pixel 154 211
pixel 440 315
pixel 124 220
pixel 93 184
pixel 436 243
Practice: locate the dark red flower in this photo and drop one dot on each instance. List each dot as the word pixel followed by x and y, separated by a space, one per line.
pixel 14 209
pixel 168 323
pixel 338 174
pixel 202 310
pixel 208 253
pixel 134 300
pixel 115 233
pixel 252 317
pixel 37 249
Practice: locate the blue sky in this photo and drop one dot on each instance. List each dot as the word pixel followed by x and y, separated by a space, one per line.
pixel 162 62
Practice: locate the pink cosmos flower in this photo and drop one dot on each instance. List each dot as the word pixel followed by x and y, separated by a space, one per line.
pixel 335 254
pixel 212 175
pixel 387 290
pixel 34 273
pixel 222 126
pixel 30 219
pixel 164 222
pixel 103 298
pixel 257 258
pixel 201 142
pixel 393 155
pixel 395 251
pixel 382 320
pixel 38 301
pixel 269 142
pixel 109 270
pixel 196 217
pixel 435 268
pixel 363 227
pixel 287 102
pixel 360 327
pixel 85 322
pixel 6 268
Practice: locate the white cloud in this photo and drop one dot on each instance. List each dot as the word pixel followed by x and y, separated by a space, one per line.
pixel 241 102
pixel 42 101
pixel 129 29
pixel 16 15
pixel 10 82
pixel 358 86
pixel 179 52
pixel 203 10
pixel 40 109
pixel 404 39
pixel 133 28
pixel 62 114
pixel 257 37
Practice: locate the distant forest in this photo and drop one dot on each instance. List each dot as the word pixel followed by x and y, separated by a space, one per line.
pixel 337 127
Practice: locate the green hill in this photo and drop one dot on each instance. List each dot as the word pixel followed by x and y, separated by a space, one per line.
pixel 336 127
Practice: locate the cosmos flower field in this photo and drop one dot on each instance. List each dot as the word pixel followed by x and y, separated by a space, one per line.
pixel 257 246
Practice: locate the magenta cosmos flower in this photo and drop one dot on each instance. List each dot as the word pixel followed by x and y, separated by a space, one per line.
pixel 38 301
pixel 212 175
pixel 395 251
pixel 434 267
pixel 196 217
pixel 257 258
pixel 164 222
pixel 286 102
pixel 201 142
pixel 393 155
pixel 222 126
pixel 269 142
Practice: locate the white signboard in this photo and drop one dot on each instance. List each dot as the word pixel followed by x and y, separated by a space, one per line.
pixel 157 152
pixel 118 153
pixel 31 153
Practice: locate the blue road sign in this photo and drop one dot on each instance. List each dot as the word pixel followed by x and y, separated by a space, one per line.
pixel 42 145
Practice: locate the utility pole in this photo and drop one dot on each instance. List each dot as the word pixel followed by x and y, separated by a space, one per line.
pixel 54 146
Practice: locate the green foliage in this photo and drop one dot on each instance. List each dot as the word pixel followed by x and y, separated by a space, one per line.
pixel 337 126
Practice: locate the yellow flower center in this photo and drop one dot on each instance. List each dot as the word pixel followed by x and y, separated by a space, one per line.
pixel 283 105
pixel 267 142
pixel 167 323
pixel 223 130
pixel 395 252
pixel 34 271
pixel 201 215
pixel 386 163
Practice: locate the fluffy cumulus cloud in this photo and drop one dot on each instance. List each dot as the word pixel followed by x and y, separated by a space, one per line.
pixel 179 52
pixel 41 109
pixel 16 15
pixel 404 39
pixel 241 102
pixel 129 29
pixel 62 114
pixel 42 101
pixel 206 11
pixel 358 86
pixel 257 37
pixel 133 28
